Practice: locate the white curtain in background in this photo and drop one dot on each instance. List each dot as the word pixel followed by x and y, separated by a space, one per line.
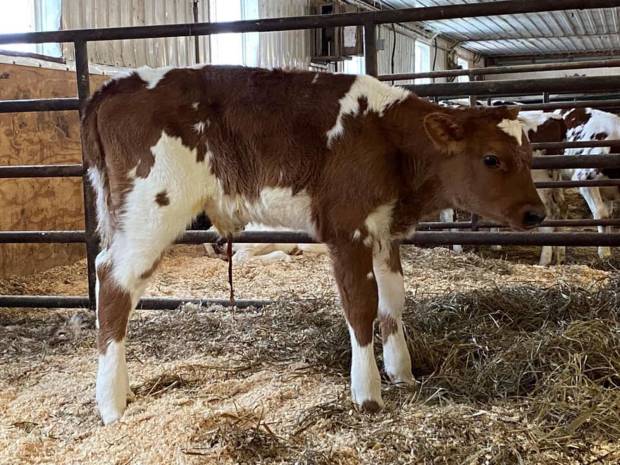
pixel 404 54
pixel 285 49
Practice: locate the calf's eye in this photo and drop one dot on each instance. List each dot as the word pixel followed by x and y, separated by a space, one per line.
pixel 491 161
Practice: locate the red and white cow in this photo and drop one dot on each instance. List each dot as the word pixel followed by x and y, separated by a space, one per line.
pixel 350 160
pixel 588 124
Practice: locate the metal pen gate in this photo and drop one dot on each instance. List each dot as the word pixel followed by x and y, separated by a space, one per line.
pixel 427 234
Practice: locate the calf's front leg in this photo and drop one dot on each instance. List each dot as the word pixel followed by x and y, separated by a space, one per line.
pixel 353 269
pixel 389 276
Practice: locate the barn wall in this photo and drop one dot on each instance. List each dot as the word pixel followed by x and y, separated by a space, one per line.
pixel 174 51
pixel 39 138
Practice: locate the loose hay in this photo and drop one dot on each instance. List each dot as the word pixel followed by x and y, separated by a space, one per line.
pixel 516 364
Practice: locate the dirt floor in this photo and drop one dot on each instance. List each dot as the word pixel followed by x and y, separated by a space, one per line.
pixel 515 363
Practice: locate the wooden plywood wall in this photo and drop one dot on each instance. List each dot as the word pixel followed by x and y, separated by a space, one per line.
pixel 39 138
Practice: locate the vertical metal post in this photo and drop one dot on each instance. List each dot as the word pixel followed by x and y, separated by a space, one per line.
pixel 370 48
pixel 545 98
pixel 90 217
pixel 196 38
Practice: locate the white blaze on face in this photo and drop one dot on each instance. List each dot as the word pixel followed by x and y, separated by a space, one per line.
pixel 379 97
pixel 512 127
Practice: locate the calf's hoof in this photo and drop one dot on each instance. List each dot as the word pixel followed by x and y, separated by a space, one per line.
pixel 371 406
pixel 405 378
pixel 111 413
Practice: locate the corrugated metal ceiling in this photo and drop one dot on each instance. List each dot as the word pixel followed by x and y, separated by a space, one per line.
pixel 576 32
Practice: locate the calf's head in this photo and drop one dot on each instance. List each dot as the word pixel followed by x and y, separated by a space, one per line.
pixel 485 164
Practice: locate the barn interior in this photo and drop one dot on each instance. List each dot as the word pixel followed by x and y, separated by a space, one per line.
pixel 515 362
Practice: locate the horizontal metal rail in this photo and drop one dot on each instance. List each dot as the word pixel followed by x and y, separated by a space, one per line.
pixel 436 225
pixel 584 183
pixel 576 144
pixel 308 22
pixel 41 171
pixel 42 237
pixel 50 104
pixel 147 303
pixel 576 161
pixel 517 86
pixel 569 105
pixel 502 70
pixel 200 237
pixel 611 160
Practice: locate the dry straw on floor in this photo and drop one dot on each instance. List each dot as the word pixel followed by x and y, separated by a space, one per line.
pixel 516 365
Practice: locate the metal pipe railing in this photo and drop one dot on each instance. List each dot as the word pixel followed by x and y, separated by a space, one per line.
pixel 517 86
pixel 50 104
pixel 308 22
pixel 146 303
pixel 41 171
pixel 285 237
pixel 473 72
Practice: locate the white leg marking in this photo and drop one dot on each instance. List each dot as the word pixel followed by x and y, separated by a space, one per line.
pixel 112 382
pixel 592 195
pixel 365 378
pixel 391 304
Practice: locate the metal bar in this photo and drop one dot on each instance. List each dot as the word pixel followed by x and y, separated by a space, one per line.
pixel 196 38
pixel 430 238
pixel 517 86
pixel 576 161
pixel 570 105
pixel 370 49
pixel 308 22
pixel 200 236
pixel 502 70
pixel 42 237
pixel 50 104
pixel 580 239
pixel 584 183
pixel 575 144
pixel 435 225
pixel 41 171
pixel 90 217
pixel 147 303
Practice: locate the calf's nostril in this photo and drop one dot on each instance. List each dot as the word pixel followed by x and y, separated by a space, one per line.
pixel 533 218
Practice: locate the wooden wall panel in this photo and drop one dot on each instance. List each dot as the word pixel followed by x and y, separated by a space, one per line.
pixel 39 138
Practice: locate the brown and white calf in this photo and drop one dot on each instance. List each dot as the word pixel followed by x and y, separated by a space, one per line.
pixel 539 127
pixel 588 124
pixel 547 127
pixel 351 160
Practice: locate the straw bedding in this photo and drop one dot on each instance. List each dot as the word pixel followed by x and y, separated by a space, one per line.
pixel 515 364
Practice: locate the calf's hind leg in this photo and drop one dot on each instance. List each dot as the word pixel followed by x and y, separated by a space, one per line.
pixel 123 271
pixel 358 291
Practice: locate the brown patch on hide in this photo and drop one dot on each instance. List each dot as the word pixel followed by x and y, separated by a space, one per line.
pixel 576 117
pixel 388 326
pixel 114 306
pixel 162 199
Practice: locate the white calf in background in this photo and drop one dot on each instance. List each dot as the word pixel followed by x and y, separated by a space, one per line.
pixel 588 124
pixel 264 252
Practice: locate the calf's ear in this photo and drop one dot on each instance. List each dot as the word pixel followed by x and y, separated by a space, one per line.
pixel 444 131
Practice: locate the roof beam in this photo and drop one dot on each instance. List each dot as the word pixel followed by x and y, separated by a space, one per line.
pixel 480 38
